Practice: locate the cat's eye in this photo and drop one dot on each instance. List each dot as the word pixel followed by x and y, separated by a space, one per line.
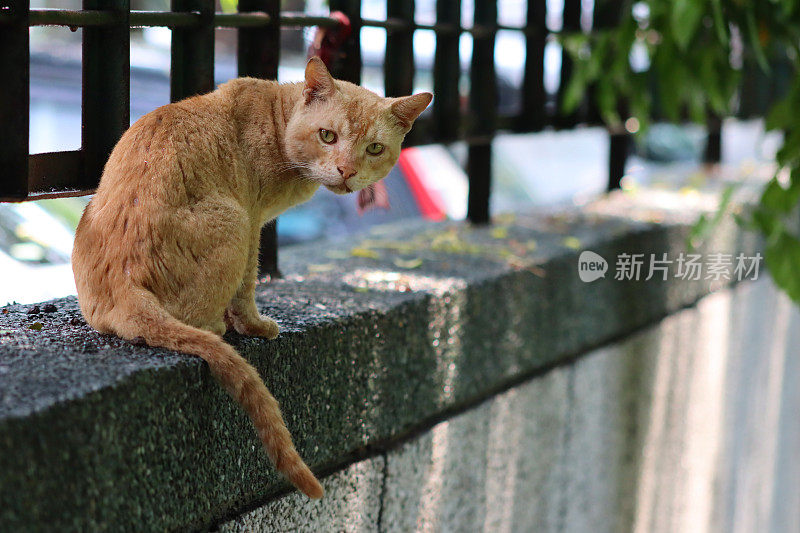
pixel 375 149
pixel 327 136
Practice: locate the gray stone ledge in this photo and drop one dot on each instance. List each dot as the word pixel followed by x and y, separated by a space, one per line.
pixel 688 425
pixel 99 433
pixel 352 502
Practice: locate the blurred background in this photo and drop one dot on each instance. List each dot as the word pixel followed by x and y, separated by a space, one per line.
pixel 545 168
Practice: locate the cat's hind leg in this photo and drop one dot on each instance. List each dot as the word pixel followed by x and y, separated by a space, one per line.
pixel 197 260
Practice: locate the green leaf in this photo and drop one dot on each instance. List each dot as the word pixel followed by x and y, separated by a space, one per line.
pixel 575 91
pixel 229 6
pixel 779 116
pixel 782 257
pixel 573 43
pixel 600 53
pixel 778 199
pixel 641 100
pixel 709 73
pixel 704 226
pixel 671 81
pixel 744 222
pixel 499 232
pixel 607 103
pixel 719 23
pixel 789 154
pixel 364 252
pixel 725 200
pixel 698 232
pixel 685 19
pixel 752 31
pixel 697 106
pixel 766 222
pixel 408 264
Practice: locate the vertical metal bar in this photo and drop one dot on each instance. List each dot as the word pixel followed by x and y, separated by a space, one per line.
pixel 608 14
pixel 399 64
pixel 192 69
pixel 259 48
pixel 479 171
pixel 15 103
pixel 532 116
pixel 572 23
pixel 398 67
pixel 258 57
pixel 619 146
pixel 446 73
pixel 106 88
pixel 348 67
pixel 483 107
pixel 268 251
pixel 713 150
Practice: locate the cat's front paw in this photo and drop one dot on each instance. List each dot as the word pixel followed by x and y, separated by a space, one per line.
pixel 260 327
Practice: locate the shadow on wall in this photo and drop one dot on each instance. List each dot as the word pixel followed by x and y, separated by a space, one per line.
pixel 689 426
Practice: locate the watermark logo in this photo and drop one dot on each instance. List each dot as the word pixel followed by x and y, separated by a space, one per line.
pixel 591 266
pixel 686 266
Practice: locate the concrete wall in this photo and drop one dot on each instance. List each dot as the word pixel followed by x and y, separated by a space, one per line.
pixel 486 388
pixel 688 426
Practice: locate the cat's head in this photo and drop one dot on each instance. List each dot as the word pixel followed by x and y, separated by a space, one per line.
pixel 346 137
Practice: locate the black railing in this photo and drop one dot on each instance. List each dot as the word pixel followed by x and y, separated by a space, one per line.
pixel 106 78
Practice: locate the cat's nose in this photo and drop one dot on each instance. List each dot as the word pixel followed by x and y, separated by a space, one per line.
pixel 346 172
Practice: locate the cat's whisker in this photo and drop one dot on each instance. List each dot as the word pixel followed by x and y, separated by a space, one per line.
pixel 299 176
pixel 294 166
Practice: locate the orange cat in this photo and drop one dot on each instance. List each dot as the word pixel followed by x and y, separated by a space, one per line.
pixel 167 249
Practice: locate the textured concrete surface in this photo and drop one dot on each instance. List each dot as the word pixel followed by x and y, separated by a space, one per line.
pixel 687 426
pixel 494 468
pixel 380 336
pixel 351 503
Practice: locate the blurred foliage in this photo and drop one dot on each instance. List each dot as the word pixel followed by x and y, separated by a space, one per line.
pixel 674 59
pixel 229 6
pixel 67 210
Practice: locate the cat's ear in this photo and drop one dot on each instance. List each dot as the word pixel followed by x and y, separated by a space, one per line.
pixel 408 108
pixel 319 83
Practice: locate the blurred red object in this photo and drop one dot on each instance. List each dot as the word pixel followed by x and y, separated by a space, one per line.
pixel 327 41
pixel 430 202
pixel 373 196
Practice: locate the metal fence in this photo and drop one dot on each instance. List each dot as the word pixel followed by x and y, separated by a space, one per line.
pixel 106 78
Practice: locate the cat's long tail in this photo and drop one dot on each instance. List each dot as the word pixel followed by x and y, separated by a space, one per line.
pixel 148 319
